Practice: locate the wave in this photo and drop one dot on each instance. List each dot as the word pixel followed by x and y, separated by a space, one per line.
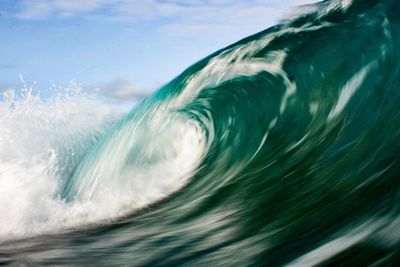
pixel 283 147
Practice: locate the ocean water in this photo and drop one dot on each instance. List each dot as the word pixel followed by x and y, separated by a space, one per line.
pixel 279 150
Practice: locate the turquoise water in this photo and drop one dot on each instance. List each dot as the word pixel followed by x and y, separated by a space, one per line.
pixel 281 149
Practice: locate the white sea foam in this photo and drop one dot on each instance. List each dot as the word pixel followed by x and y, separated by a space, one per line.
pixel 43 141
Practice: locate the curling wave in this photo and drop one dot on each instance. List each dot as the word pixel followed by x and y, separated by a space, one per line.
pixel 281 149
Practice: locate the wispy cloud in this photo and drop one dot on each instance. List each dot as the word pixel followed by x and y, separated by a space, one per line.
pixel 173 17
pixel 122 90
pixel 175 33
pixel 152 9
pixel 216 20
pixel 42 9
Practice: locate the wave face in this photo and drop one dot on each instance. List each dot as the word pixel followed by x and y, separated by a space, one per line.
pixel 281 149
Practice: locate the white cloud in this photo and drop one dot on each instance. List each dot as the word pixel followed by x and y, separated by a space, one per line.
pixel 32 10
pixel 210 18
pixel 122 90
pixel 151 9
pixel 41 9
pixel 190 23
pixel 229 19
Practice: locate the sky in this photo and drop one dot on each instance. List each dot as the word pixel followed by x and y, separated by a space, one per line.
pixel 125 48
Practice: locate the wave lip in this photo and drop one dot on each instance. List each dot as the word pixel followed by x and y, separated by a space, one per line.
pixel 282 146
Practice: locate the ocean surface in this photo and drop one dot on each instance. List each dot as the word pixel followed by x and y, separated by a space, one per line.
pixel 282 149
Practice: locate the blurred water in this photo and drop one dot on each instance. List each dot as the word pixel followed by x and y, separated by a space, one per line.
pixel 281 149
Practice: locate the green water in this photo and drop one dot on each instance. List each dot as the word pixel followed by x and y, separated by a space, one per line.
pixel 299 161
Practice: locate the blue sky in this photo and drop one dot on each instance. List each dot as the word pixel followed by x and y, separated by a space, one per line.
pixel 124 47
